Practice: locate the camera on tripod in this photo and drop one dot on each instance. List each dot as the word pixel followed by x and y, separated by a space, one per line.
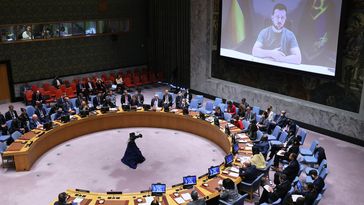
pixel 135 135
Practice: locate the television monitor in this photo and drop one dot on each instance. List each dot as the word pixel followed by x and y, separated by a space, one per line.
pixel 65 118
pixel 158 189
pixel 48 125
pixel 229 160
pixel 189 181
pixel 298 35
pixel 235 148
pixel 213 171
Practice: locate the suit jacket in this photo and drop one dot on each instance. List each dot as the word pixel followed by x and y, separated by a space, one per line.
pixel 60 102
pixel 292 170
pixel 33 124
pixel 170 99
pixel 281 121
pixel 41 113
pixel 319 184
pixel 250 116
pixel 140 98
pixel 90 86
pixel 123 99
pixel 8 115
pixel 280 191
pixel 54 82
pixel 2 119
pixel 159 102
pixel 36 98
pixel 80 88
pixel 249 174
pixel 197 202
pixel 310 197
pixel 97 102
pixel 179 101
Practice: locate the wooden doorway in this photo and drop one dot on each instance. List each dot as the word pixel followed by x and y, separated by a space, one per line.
pixel 4 84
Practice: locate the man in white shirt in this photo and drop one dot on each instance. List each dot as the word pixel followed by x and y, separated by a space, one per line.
pixel 27 34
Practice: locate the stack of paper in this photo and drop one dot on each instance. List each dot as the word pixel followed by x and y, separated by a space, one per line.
pixel 280 153
pixel 186 196
pixel 295 197
pixel 179 200
pixel 234 169
pixel 242 141
pixel 233 174
pixel 77 200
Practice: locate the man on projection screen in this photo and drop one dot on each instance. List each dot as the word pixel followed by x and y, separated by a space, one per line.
pixel 277 42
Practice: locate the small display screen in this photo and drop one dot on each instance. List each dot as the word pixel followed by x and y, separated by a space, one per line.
pixel 189 180
pixel 229 159
pixel 213 171
pixel 158 189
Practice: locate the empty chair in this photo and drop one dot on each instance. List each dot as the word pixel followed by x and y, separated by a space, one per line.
pixel 303 133
pixel 199 99
pixel 282 139
pixel 30 110
pixel 217 102
pixel 323 164
pixel 256 110
pixel 251 188
pixel 4 138
pixel 16 135
pixel 239 201
pixel 208 108
pixel 310 150
pixel 227 116
pixel 259 136
pixel 193 105
pixel 275 134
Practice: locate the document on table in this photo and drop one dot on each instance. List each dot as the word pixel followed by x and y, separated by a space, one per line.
pixel 295 197
pixel 234 169
pixel 242 141
pixel 233 174
pixel 179 200
pixel 77 200
pixel 186 196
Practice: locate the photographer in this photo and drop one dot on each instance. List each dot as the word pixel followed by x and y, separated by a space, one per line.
pixel 133 156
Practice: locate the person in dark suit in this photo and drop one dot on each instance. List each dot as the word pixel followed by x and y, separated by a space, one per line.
pixel 280 121
pixel 309 195
pixel 90 87
pixel 68 106
pixel 167 99
pixel 196 200
pixel 62 199
pixel 81 88
pixel 218 113
pixel 273 194
pixel 188 96
pixel 41 112
pixel 291 171
pixel 140 97
pixel 57 82
pixel 178 100
pixel 250 115
pixel 11 114
pixel 100 85
pixel 134 102
pixel 229 194
pixel 263 124
pixel 295 148
pixel 248 174
pixel 98 101
pixel 125 98
pixel 16 126
pixel 37 97
pixel 3 127
pixel 263 145
pixel 252 130
pixel 156 102
pixel 318 182
pixel 61 101
pixel 24 120
pixel 59 114
pixel 35 122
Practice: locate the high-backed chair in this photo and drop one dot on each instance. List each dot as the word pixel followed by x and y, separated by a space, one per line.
pixel 309 151
pixel 251 188
pixel 239 201
pixel 275 134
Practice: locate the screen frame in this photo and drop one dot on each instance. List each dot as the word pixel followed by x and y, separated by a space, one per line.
pixel 268 67
pixel 158 193
pixel 226 162
pixel 190 176
pixel 212 167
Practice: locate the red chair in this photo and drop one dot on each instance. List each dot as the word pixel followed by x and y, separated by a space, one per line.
pixel 52 90
pixel 128 82
pixel 59 94
pixel 63 88
pixel 160 76
pixel 28 97
pixel 73 86
pixel 70 93
pixel 144 78
pixel 46 86
pixel 152 77
pixel 34 88
pixel 137 80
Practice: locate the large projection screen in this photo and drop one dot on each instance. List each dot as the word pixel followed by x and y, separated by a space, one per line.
pixel 296 34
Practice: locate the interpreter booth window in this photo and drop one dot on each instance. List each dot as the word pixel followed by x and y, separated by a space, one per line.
pixel 113 26
pixel 24 32
pixel 78 28
pixel 124 25
pixel 7 34
pixel 43 31
pixel 101 27
pixel 65 29
pixel 55 30
pixel 90 27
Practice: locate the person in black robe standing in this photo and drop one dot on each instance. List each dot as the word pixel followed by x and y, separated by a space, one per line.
pixel 133 156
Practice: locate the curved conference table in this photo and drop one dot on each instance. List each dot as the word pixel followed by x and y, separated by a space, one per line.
pixel 27 149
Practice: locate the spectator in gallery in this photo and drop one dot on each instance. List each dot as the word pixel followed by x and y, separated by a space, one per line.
pixel 119 83
pixel 57 82
pixel 27 34
pixel 37 97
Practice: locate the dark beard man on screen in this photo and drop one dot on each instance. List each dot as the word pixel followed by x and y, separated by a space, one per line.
pixel 133 156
